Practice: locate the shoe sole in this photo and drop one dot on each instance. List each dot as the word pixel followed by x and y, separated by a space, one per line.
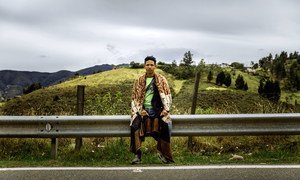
pixel 133 163
pixel 136 162
pixel 163 159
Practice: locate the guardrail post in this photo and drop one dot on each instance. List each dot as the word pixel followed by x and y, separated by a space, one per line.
pixel 194 104
pixel 80 111
pixel 54 146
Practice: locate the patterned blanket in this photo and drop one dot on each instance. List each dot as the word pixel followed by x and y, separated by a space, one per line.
pixel 154 127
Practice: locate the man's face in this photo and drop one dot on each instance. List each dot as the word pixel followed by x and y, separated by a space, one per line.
pixel 150 66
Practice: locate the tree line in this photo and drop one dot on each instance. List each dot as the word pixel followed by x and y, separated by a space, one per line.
pixel 283 68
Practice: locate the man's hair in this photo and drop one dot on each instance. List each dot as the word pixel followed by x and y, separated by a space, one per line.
pixel 152 58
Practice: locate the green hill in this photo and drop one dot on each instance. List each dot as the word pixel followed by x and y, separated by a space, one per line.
pixel 108 93
pixel 105 93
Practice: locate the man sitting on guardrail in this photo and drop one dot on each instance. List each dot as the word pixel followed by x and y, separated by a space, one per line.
pixel 150 112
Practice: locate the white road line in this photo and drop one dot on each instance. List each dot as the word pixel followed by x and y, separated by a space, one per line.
pixel 153 168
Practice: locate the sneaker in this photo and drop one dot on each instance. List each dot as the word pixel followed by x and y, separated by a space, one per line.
pixel 163 159
pixel 136 160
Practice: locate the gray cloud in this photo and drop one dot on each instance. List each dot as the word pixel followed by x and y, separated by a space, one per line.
pixel 71 34
pixel 112 49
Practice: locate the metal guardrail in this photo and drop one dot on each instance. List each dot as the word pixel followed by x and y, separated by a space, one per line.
pixel 118 126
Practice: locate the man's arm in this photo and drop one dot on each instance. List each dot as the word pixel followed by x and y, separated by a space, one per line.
pixel 166 97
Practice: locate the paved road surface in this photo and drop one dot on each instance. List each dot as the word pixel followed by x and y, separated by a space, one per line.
pixel 238 172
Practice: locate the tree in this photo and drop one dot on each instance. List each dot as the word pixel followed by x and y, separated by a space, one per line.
pixel 185 72
pixel 293 78
pixel 220 78
pixel 261 88
pixel 135 65
pixel 187 59
pixel 161 63
pixel 295 55
pixel 209 76
pixel 279 69
pixel 255 66
pixel 31 88
pixel 270 90
pixel 237 65
pixel 283 55
pixel 270 57
pixel 266 62
pixel 201 66
pixel 291 56
pixel 227 80
pixel 276 91
pixel 245 86
pixel 239 82
pixel 174 63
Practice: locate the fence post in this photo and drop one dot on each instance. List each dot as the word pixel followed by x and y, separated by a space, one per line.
pixel 80 108
pixel 194 103
pixel 54 145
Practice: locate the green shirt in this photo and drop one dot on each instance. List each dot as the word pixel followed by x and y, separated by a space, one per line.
pixel 149 94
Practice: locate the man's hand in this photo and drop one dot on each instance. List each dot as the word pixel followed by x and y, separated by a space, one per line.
pixel 144 113
pixel 164 113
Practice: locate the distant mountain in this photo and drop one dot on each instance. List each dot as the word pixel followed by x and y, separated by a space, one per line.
pixel 99 68
pixel 95 69
pixel 25 78
pixel 12 82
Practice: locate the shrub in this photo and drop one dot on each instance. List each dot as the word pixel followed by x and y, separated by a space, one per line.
pixel 209 76
pixel 220 78
pixel 31 88
pixel 269 89
pixel 227 80
pixel 240 83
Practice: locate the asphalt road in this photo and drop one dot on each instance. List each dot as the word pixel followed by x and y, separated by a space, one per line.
pixel 239 172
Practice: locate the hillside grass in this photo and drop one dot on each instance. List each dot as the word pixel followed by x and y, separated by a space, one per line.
pixel 117 76
pixel 228 101
pixel 108 93
pixel 105 94
pixel 252 81
pixel 292 98
pixel 113 77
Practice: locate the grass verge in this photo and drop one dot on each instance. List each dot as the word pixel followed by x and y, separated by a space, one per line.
pixel 115 152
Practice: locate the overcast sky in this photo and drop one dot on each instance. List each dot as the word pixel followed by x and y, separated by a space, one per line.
pixel 51 35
